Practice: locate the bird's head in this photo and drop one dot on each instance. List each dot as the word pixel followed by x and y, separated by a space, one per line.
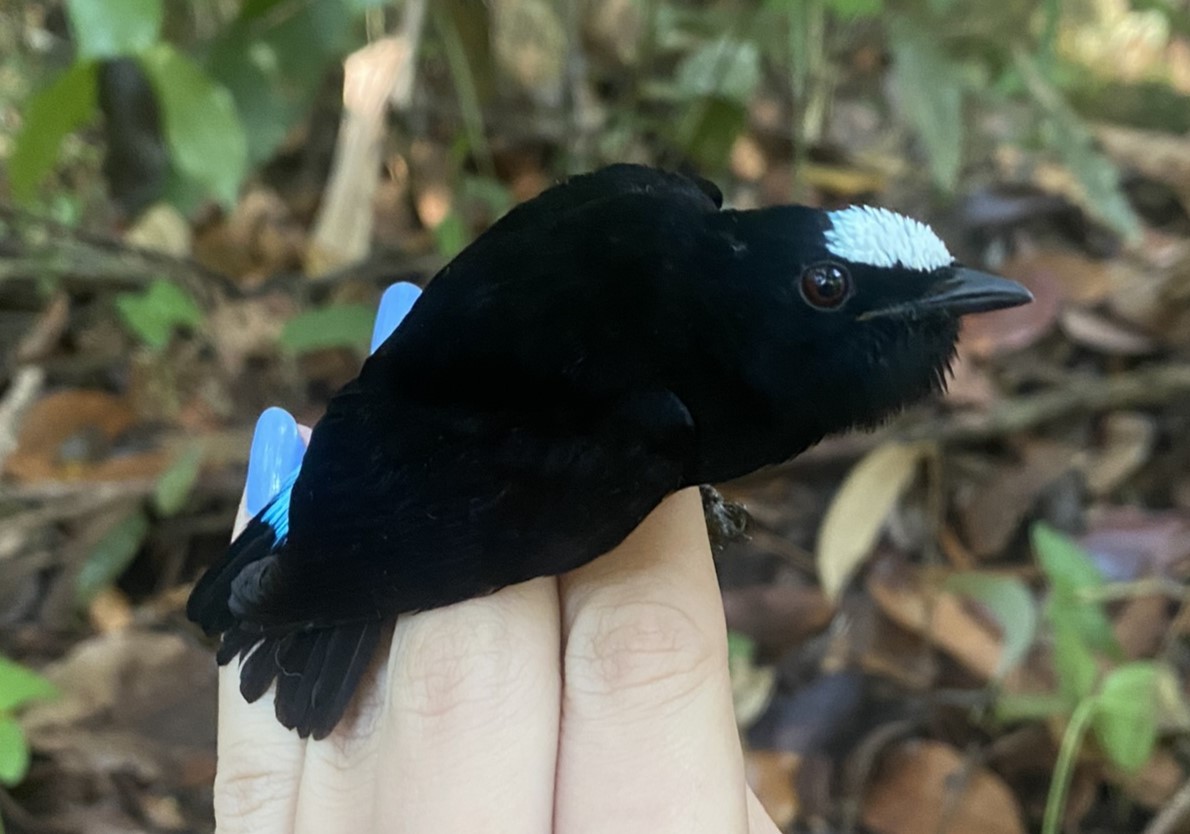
pixel 862 309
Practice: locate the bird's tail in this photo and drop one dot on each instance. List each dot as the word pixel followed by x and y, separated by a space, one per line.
pixel 316 669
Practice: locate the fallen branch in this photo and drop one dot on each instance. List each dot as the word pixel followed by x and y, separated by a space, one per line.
pixel 34 248
pixel 1146 387
pixel 1149 386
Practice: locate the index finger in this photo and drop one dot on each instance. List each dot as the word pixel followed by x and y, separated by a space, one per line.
pixel 259 760
pixel 648 739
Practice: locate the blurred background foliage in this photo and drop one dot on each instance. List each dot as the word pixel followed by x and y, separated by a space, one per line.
pixel 201 200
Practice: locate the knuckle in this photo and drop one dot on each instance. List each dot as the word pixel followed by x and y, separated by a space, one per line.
pixel 357 730
pixel 246 795
pixel 456 664
pixel 345 749
pixel 644 653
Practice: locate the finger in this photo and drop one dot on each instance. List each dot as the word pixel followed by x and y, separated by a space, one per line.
pixel 394 306
pixel 338 786
pixel 260 762
pixel 277 449
pixel 338 780
pixel 471 720
pixel 646 702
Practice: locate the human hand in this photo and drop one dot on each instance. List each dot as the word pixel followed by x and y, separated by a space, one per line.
pixel 594 701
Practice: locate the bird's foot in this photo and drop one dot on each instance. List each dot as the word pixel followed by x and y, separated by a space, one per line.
pixel 726 520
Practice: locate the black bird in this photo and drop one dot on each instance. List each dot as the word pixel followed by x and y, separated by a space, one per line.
pixel 615 339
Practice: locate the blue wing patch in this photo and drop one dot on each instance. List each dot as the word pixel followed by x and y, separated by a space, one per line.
pixel 276 513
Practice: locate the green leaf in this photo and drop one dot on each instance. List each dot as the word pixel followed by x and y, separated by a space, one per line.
pixel 1125 719
pixel 855 9
pixel 339 325
pixel 252 9
pixel 740 648
pixel 154 313
pixel 451 235
pixel 114 28
pixel 111 556
pixel 1073 660
pixel 175 484
pixel 1066 565
pixel 14 752
pixel 19 686
pixel 709 128
pixel 1070 137
pixel 62 107
pixel 751 685
pixel 491 192
pixel 206 140
pixel 724 68
pixel 1071 572
pixel 1010 602
pixel 931 97
pixel 272 61
pixel 1173 709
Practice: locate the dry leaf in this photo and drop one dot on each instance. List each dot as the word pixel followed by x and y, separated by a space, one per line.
pixel 772 776
pixel 1004 331
pixel 859 510
pixel 67 435
pixel 1157 780
pixel 1083 280
pixel 1128 439
pixel 992 511
pixel 939 616
pixel 161 229
pixel 1098 333
pixel 777 617
pixel 1142 625
pixel 926 787
pixel 814 718
pixel 1128 543
pixel 132 700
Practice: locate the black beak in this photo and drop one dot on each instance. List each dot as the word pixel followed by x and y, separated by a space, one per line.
pixel 965 291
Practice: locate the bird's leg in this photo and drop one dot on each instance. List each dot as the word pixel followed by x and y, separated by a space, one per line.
pixel 726 520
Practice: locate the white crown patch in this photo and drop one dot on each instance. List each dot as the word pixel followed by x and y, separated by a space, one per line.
pixel 879 237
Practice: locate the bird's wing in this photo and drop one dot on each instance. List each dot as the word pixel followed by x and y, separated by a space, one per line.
pixel 418 525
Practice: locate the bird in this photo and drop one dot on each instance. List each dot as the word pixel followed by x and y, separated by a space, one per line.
pixel 618 338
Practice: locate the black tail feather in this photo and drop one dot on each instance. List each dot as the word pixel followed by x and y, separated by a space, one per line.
pixel 209 601
pixel 316 671
pixel 348 656
pixel 259 669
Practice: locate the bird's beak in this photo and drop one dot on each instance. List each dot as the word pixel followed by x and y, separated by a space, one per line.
pixel 963 291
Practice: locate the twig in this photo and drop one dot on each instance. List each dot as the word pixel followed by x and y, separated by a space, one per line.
pixel 1147 387
pixel 376 77
pixel 26 385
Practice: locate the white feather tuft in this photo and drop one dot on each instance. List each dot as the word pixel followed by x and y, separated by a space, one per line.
pixel 879 237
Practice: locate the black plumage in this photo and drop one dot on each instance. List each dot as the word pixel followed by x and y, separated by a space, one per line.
pixel 601 346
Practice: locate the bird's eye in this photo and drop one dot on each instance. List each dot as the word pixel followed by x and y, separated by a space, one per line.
pixel 826 286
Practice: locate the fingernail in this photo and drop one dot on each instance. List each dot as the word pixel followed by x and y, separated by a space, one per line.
pixel 277 450
pixel 394 304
